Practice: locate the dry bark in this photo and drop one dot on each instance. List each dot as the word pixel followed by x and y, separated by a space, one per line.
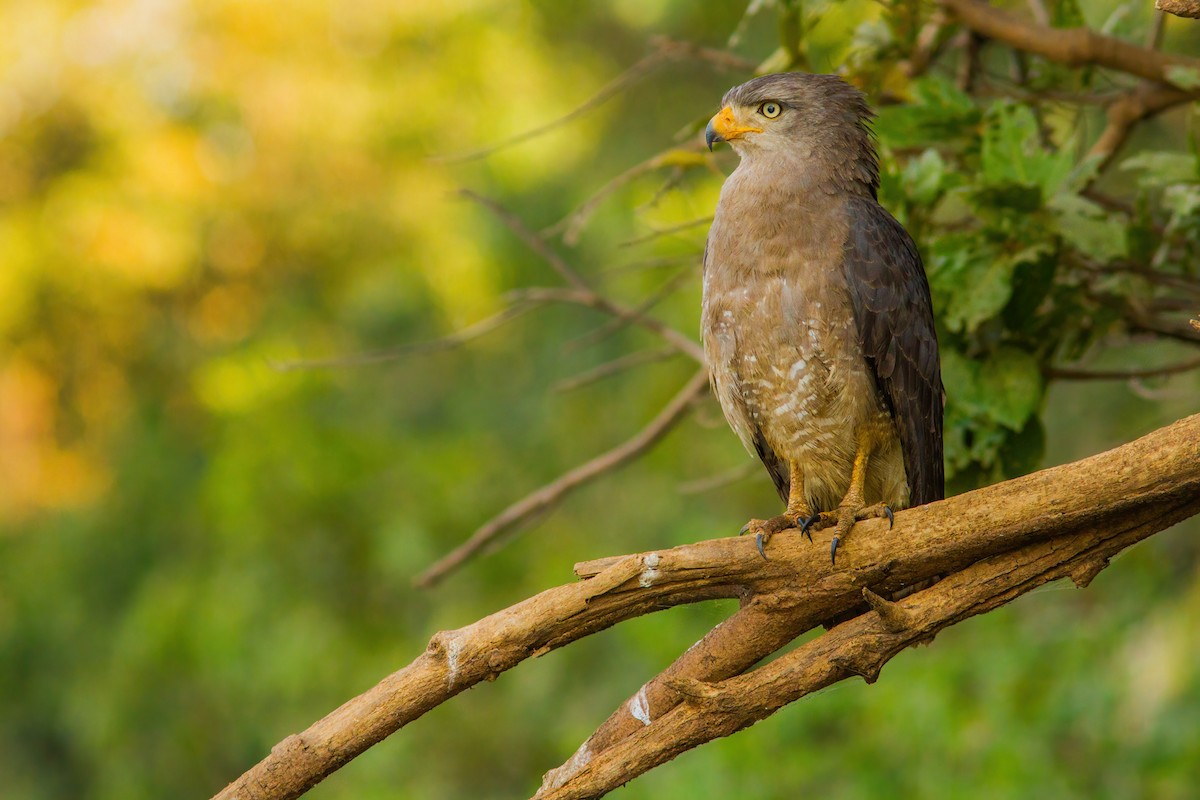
pixel 1180 8
pixel 992 544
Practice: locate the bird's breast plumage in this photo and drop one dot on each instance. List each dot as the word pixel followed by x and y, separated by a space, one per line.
pixel 779 336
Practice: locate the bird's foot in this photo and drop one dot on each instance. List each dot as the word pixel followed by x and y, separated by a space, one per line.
pixel 764 529
pixel 844 517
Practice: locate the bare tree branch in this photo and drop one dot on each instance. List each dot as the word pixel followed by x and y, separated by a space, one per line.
pixel 453 340
pixel 729 476
pixel 544 498
pixel 668 288
pixel 1062 521
pixel 1067 373
pixel 1070 46
pixel 590 299
pixel 668 231
pixel 1146 100
pixel 572 225
pixel 665 50
pixel 614 367
pixel 641 69
pixel 534 242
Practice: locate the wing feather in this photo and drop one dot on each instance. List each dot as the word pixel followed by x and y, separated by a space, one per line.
pixel 894 318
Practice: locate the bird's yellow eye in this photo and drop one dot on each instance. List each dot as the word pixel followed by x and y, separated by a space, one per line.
pixel 770 109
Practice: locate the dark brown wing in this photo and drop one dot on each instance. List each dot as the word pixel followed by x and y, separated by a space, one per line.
pixel 894 317
pixel 777 468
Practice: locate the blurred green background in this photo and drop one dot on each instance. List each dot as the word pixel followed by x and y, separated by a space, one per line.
pixel 202 552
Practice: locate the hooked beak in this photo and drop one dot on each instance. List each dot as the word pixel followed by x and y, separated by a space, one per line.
pixel 724 128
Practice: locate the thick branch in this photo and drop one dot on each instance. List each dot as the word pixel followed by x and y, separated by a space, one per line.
pixel 859 647
pixel 1146 100
pixel 1070 46
pixel 1155 479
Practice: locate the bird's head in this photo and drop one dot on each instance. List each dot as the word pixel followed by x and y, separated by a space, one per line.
pixel 818 118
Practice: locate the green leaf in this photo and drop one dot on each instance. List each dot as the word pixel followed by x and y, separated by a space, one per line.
pixel 1161 168
pixel 1022 452
pixel 938 113
pixel 961 378
pixel 1031 284
pixel 1087 227
pixel 924 177
pixel 1011 382
pixel 1183 200
pixel 1012 151
pixel 1183 77
pixel 1066 14
pixel 1008 197
pixel 972 279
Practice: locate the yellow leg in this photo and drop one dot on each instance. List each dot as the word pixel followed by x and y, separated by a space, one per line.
pixel 858 478
pixel 854 505
pixel 797 514
pixel 797 505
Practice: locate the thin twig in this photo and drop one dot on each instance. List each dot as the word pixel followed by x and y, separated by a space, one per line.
pixel 639 70
pixel 453 340
pixel 615 367
pixel 1148 274
pixel 572 225
pixel 664 51
pixel 1155 34
pixel 555 491
pixel 647 264
pixel 534 242
pixel 1144 101
pixel 668 231
pixel 930 41
pixel 669 287
pixel 721 59
pixel 1067 373
pixel 721 479
pixel 590 299
pixel 581 292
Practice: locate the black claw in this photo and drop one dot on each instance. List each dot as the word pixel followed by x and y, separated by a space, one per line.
pixel 745 529
pixel 806 523
pixel 833 550
pixel 891 517
pixel 758 542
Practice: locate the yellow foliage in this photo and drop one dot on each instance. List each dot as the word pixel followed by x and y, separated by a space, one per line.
pixel 241 381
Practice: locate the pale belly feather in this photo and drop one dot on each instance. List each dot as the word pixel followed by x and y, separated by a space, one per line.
pixel 799 381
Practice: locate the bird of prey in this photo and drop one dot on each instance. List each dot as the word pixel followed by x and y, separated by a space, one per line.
pixel 817 322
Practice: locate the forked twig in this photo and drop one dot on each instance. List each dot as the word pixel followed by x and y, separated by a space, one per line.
pixel 449 342
pixel 553 492
pixel 619 323
pixel 664 51
pixel 614 367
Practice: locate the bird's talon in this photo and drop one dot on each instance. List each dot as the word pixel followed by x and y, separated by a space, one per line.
pixel 745 528
pixel 833 550
pixel 891 517
pixel 759 541
pixel 806 523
